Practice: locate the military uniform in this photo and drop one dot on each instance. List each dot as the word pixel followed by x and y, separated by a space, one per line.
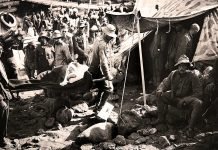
pixel 80 42
pixel 62 54
pixel 100 67
pixel 44 58
pixel 182 91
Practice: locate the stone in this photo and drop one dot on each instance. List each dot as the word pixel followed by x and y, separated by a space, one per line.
pixel 139 110
pixel 147 131
pixel 134 136
pixel 127 147
pixel 35 140
pixel 50 122
pixel 128 122
pixel 120 140
pixel 107 145
pixel 64 115
pixel 141 140
pixel 80 108
pixel 86 146
pixel 99 132
pixel 150 99
pixel 128 141
pixel 171 147
pixel 172 138
pixel 163 141
pixel 147 147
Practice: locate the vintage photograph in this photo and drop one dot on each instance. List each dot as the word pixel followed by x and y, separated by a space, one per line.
pixel 108 75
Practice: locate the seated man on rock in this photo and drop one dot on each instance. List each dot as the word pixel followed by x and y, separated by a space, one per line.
pixel 181 89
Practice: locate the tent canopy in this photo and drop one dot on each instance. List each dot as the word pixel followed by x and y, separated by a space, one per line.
pixel 170 11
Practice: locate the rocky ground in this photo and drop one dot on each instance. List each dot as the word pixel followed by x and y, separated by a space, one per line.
pixel 32 126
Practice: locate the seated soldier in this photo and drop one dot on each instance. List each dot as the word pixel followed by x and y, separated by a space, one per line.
pixel 210 83
pixel 181 89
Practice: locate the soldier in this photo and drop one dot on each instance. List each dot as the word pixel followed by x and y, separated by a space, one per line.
pixel 101 63
pixel 44 56
pixel 80 43
pixel 62 53
pixel 181 89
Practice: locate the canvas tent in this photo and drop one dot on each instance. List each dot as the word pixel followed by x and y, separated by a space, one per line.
pixel 172 12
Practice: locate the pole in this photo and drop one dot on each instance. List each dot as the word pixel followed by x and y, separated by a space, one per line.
pixel 90 2
pixel 141 62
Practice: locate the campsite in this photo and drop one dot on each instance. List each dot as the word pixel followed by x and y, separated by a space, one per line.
pixel 56 109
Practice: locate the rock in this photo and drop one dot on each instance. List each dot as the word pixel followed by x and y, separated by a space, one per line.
pixel 172 138
pixel 150 99
pixel 120 140
pixel 116 105
pixel 141 140
pixel 99 132
pixel 86 146
pixel 128 122
pixel 107 145
pixel 50 122
pixel 35 140
pixel 134 136
pixel 152 111
pixel 163 141
pixel 147 147
pixel 171 147
pixel 80 108
pixel 128 141
pixel 127 147
pixel 147 131
pixel 139 110
pixel 64 115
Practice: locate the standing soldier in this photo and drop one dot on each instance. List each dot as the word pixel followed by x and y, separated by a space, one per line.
pixel 44 56
pixel 62 53
pixel 101 63
pixel 80 42
pixel 29 51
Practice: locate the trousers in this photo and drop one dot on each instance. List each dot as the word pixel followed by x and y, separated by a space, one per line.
pixel 192 103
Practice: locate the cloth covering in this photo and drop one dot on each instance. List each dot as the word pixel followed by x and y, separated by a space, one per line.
pixel 207 48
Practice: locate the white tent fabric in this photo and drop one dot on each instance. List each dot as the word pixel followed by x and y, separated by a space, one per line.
pixel 207 48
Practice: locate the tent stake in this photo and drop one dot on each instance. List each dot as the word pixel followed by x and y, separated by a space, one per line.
pixel 141 62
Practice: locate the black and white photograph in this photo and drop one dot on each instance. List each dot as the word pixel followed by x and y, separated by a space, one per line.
pixel 108 74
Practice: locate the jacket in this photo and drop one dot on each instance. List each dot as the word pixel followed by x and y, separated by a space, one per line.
pixel 101 57
pixel 182 86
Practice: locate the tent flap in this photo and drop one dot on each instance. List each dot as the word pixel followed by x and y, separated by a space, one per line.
pixel 207 48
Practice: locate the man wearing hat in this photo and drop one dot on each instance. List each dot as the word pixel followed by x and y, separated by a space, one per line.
pixel 80 43
pixel 67 38
pixel 181 89
pixel 62 52
pixel 29 52
pixel 44 54
pixel 101 63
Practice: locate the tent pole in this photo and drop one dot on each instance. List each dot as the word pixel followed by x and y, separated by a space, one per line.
pixel 90 2
pixel 141 62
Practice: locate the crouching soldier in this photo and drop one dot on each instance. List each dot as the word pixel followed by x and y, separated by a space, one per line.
pixel 181 89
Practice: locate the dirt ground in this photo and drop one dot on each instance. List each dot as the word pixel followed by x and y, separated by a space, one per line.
pixel 26 129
